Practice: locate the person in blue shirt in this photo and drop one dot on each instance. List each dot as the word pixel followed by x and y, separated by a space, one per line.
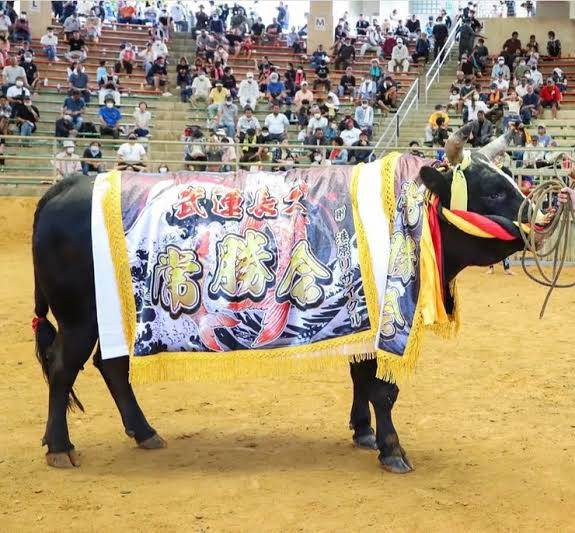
pixel 275 88
pixel 338 154
pixel 110 116
pixel 530 106
pixel 216 25
pixel 102 73
pixel 74 106
pixel 79 81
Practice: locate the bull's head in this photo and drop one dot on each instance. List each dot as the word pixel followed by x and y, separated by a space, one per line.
pixel 489 192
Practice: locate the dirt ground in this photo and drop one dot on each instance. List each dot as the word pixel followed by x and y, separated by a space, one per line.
pixel 487 420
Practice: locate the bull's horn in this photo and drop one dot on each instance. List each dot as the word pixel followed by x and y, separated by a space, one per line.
pixel 498 145
pixel 454 145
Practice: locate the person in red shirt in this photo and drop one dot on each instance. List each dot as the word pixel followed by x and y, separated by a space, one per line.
pixel 550 97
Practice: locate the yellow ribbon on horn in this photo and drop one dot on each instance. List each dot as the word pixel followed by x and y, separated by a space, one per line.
pixel 459 186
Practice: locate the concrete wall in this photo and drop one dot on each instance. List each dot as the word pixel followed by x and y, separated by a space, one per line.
pixel 39 16
pixel 320 28
pixel 552 8
pixel 498 30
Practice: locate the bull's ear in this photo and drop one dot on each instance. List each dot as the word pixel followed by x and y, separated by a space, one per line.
pixel 437 182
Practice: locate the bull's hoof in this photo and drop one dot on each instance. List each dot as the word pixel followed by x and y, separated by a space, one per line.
pixel 366 442
pixel 398 464
pixel 155 442
pixel 69 459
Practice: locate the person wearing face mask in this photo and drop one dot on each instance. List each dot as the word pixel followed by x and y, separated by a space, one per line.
pixel 90 158
pixel 350 134
pixel 110 117
pixel 79 82
pixel 163 168
pixel 201 87
pixel 49 42
pixel 520 70
pixel 228 116
pixel 125 60
pixel 345 55
pixel 229 81
pixel 31 70
pixel 248 92
pixel 12 72
pixel 536 77
pixel 67 163
pixel 500 68
pixel 64 127
pixel 399 57
pixel 316 121
pixel 131 155
pixel 159 49
pixel 78 51
pixel 275 88
pixel 74 106
pixel 364 117
pixel 17 92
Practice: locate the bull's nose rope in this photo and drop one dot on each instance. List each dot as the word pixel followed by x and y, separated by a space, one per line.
pixel 558 229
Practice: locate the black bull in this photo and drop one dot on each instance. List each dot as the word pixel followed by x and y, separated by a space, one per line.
pixel 64 283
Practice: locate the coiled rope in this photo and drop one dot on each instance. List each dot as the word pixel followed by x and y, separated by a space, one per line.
pixel 559 228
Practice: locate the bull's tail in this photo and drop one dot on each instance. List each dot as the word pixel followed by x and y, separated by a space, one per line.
pixel 44 330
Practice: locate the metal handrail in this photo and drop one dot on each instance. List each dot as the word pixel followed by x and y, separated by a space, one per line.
pixel 392 128
pixel 433 72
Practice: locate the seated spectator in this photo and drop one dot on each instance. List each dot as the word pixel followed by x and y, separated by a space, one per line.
pixel 248 92
pixel 386 98
pixel 158 76
pixel 74 106
pixel 248 150
pixel 550 96
pixel 322 79
pixel 49 42
pixel 79 82
pixel 331 132
pixel 5 22
pixel 388 45
pixel 303 113
pixel 131 155
pixel 216 98
pixel 338 154
pixel 257 30
pixel 304 94
pixel 459 80
pixel 432 124
pixel 183 73
pixel 345 55
pixel 521 87
pixel 110 117
pixel 277 124
pixel 361 26
pixel 216 25
pixel 346 85
pixel 560 79
pixel 26 117
pixel 512 48
pixel 201 88
pixel 71 24
pixel 248 122
pixel 17 93
pixel 146 55
pixel 481 54
pixel 532 45
pixel 553 45
pixel 367 90
pixel 78 51
pixel 12 72
pixel 246 46
pixel 31 70
pixel 535 158
pixel 399 57
pixel 221 55
pixel 64 127
pixel 543 137
pixel 194 151
pixel 316 120
pixel 127 13
pixel 110 91
pixel 375 70
pixel 364 117
pixel 473 104
pixel 317 138
pixel 275 88
pixel 318 56
pixel 93 27
pixel 216 71
pixel 90 157
pixel 350 134
pixel 422 48
pixel 142 119
pixel 530 106
pixel 295 42
pixel 20 29
pixel 502 84
pixel 466 90
pixel 356 151
pixel 481 130
pixel 229 81
pixel 317 158
pixel 126 60
pixel 520 70
pixel 500 68
pixel 373 42
pixel 511 114
pixel 228 116
pixel 413 26
pixel 67 163
pixel 454 100
pixel 536 77
pixel 159 49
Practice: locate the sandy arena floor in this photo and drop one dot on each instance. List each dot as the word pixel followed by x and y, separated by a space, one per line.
pixel 488 421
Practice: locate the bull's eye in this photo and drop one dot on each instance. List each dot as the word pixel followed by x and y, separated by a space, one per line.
pixel 497 196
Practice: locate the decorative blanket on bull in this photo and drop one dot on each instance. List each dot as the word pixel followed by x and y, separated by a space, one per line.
pixel 205 274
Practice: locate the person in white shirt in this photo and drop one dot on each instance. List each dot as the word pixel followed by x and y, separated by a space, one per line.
pixel 316 121
pixel 178 15
pixel 399 57
pixel 373 42
pixel 131 155
pixel 66 163
pixel 159 49
pixel 142 118
pixel 17 92
pixel 474 105
pixel 201 87
pixel 248 91
pixel 277 123
pixel 536 77
pixel 334 98
pixel 521 89
pixel 303 94
pixel 49 43
pixel 364 116
pixel 350 134
pixel 5 22
pixel 502 84
pixel 247 121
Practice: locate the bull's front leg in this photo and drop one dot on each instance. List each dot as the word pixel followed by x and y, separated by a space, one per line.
pixel 382 395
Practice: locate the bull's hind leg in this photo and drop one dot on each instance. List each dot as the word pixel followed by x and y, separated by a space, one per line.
pixel 71 349
pixel 116 375
pixel 360 416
